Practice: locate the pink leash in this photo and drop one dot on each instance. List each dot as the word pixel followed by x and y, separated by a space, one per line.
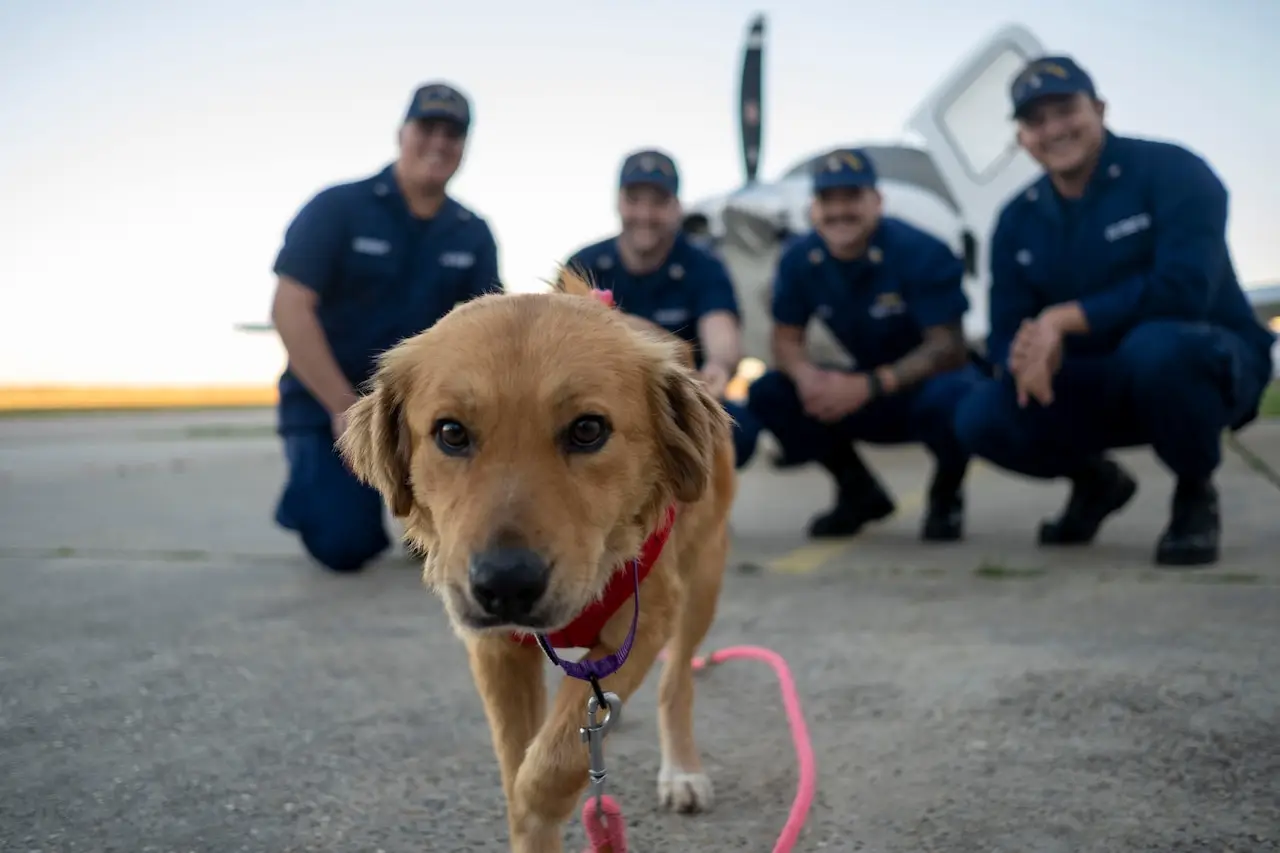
pixel 606 833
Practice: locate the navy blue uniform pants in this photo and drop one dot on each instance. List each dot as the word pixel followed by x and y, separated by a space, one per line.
pixel 746 432
pixel 1172 385
pixel 338 518
pixel 921 415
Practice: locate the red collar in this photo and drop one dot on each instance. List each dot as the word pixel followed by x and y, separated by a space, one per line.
pixel 584 631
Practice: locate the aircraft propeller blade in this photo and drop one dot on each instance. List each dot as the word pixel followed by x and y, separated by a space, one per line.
pixel 751 99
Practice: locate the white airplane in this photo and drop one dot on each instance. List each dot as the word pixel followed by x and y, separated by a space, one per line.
pixel 951 181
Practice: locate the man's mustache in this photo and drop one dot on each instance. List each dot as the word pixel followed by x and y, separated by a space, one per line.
pixel 840 219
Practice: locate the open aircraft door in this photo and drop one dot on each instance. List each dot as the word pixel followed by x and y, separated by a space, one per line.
pixel 968 129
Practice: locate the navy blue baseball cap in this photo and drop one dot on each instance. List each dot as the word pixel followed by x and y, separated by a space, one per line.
pixel 439 101
pixel 844 167
pixel 650 166
pixel 1048 76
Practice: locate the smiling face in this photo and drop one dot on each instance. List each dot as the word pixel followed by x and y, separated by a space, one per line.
pixel 845 217
pixel 650 217
pixel 1063 133
pixel 430 152
pixel 532 442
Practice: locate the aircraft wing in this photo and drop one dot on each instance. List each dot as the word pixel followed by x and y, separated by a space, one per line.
pixel 1265 299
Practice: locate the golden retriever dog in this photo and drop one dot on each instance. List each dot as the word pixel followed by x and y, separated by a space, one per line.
pixel 535 445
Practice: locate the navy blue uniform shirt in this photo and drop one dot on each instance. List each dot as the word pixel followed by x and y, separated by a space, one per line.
pixel 381 274
pixel 1147 241
pixel 879 305
pixel 690 284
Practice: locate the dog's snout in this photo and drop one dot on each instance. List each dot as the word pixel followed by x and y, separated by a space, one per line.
pixel 508 582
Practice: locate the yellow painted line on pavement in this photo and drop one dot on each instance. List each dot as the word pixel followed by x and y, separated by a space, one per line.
pixel 809 558
pixel 58 398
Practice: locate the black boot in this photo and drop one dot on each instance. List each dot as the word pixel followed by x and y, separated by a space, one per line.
pixel 944 515
pixel 859 496
pixel 1100 488
pixel 1191 539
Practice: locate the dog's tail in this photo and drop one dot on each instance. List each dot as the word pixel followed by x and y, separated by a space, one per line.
pixel 574 281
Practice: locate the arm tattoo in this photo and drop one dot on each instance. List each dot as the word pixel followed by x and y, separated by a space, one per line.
pixel 942 349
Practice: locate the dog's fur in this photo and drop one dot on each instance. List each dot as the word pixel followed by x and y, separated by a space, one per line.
pixel 516 370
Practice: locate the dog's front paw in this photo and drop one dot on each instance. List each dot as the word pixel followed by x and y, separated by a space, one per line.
pixel 687 793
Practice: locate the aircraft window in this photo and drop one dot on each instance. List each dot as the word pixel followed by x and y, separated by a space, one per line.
pixel 978 121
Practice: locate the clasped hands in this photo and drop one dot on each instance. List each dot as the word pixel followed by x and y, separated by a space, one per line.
pixel 1035 357
pixel 831 395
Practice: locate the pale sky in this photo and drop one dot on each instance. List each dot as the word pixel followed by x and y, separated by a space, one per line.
pixel 151 154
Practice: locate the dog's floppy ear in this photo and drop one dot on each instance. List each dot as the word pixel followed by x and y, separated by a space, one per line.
pixel 377 445
pixel 690 425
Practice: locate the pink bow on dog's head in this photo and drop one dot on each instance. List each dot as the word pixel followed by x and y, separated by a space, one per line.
pixel 605 296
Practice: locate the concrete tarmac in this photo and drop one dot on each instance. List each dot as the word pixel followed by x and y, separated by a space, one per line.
pixel 175 676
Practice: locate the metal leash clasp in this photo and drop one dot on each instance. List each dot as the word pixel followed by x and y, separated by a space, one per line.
pixel 593 735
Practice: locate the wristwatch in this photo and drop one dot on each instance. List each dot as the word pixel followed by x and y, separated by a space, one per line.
pixel 877 387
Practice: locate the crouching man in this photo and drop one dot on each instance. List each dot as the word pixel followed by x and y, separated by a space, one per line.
pixel 1116 319
pixel 892 297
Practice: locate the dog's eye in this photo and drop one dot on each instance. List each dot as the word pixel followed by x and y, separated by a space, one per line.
pixel 452 437
pixel 589 432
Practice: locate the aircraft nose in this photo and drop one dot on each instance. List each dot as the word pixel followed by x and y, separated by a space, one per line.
pixel 508 582
pixel 754 219
pixel 761 202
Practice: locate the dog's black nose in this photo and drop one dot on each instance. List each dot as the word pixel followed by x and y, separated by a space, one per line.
pixel 507 582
